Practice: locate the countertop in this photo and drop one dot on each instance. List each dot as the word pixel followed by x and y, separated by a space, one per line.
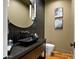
pixel 18 50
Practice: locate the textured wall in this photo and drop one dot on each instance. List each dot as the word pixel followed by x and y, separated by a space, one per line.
pixel 61 38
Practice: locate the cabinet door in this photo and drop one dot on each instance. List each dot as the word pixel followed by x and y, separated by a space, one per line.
pixel 34 54
pixel 38 52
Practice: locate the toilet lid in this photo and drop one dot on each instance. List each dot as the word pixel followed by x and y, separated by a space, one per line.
pixel 48 44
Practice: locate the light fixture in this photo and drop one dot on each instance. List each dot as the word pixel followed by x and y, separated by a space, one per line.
pixel 8 3
pixel 32 9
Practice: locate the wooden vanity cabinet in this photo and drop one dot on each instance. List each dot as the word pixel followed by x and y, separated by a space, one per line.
pixel 34 54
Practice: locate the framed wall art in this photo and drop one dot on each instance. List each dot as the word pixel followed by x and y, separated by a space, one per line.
pixel 59 12
pixel 58 23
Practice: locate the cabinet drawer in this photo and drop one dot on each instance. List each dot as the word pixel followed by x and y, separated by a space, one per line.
pixel 34 54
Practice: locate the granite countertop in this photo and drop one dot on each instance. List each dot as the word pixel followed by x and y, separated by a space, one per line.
pixel 18 50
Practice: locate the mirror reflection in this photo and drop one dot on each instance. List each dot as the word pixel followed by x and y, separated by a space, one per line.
pixel 22 13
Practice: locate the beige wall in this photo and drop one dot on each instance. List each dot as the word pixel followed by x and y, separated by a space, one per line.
pixel 18 14
pixel 60 38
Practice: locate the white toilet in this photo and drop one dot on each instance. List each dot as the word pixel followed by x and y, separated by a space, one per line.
pixel 49 48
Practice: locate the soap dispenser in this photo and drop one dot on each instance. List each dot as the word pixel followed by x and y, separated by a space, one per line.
pixel 36 36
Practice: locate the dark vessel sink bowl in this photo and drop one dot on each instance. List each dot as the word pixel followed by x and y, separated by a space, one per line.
pixel 27 41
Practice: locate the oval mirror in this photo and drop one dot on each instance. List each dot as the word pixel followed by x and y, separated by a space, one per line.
pixel 20 13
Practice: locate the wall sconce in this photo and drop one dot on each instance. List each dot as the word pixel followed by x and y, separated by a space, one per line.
pixel 32 9
pixel 8 3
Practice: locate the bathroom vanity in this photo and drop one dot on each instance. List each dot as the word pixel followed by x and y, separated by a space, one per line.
pixel 29 52
pixel 19 23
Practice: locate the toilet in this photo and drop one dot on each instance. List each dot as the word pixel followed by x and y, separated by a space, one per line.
pixel 49 48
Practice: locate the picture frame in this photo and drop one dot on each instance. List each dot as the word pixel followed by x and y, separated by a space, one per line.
pixel 58 23
pixel 59 12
